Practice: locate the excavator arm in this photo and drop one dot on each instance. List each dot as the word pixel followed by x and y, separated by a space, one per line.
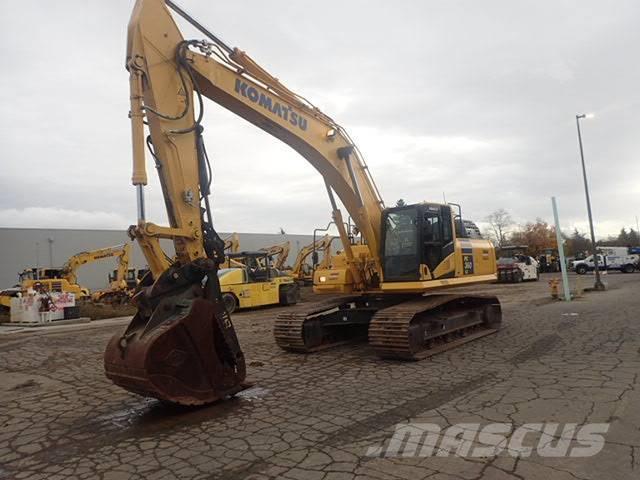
pixel 118 289
pixel 326 253
pixel 123 268
pixel 280 251
pixel 232 244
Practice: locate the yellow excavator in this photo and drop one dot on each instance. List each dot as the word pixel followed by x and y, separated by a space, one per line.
pixel 181 345
pixel 121 283
pixel 232 243
pixel 65 279
pixel 280 252
pixel 301 270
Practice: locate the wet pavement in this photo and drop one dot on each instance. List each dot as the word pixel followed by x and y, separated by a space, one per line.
pixel 316 416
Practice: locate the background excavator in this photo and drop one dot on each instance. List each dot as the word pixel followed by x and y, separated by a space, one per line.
pixel 121 283
pixel 232 243
pixel 280 252
pixel 181 345
pixel 65 278
pixel 301 270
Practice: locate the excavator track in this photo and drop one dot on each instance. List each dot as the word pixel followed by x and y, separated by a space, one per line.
pixel 294 332
pixel 420 328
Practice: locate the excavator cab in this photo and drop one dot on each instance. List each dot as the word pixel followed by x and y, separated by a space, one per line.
pixel 415 235
pixel 131 277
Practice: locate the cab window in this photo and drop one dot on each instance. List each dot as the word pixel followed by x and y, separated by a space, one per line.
pixel 431 227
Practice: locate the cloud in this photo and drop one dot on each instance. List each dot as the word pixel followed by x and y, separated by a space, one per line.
pixel 52 217
pixel 475 100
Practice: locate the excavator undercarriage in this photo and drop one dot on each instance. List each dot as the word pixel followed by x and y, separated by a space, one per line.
pixel 403 327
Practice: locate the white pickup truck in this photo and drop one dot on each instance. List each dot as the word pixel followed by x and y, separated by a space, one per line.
pixel 622 261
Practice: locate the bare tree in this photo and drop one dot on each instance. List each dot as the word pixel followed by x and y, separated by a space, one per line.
pixel 500 221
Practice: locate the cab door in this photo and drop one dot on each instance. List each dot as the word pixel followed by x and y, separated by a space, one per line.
pixel 400 249
pixel 437 237
pixel 432 238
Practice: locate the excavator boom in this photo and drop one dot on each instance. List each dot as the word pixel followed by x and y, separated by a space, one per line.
pixel 280 251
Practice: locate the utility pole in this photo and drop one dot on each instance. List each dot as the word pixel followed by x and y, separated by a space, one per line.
pixel 37 259
pixel 598 283
pixel 50 240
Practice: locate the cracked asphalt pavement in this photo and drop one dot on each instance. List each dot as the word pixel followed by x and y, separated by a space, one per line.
pixel 315 416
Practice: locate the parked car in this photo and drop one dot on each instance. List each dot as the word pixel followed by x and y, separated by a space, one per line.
pixel 517 268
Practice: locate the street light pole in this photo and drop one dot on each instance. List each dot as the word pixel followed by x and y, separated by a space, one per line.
pixel 598 283
pixel 50 240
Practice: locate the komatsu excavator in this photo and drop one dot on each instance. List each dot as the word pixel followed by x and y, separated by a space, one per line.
pixel 301 270
pixel 181 345
pixel 120 283
pixel 232 243
pixel 280 251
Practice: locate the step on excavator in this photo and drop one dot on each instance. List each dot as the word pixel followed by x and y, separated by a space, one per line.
pixel 181 345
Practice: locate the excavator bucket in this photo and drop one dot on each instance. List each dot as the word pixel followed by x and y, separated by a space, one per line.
pixel 180 347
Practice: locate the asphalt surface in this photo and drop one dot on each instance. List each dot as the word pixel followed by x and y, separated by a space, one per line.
pixel 316 416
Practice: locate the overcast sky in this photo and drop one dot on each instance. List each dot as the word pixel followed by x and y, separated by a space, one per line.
pixel 476 99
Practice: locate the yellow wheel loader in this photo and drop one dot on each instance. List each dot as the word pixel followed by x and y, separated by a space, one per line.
pixel 255 283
